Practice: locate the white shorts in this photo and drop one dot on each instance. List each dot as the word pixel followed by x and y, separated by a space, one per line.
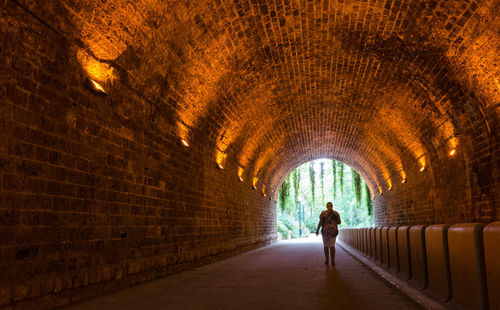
pixel 328 242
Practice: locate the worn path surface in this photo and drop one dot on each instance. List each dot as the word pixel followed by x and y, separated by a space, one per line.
pixel 287 275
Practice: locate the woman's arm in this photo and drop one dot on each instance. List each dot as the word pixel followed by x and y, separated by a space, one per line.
pixel 319 224
pixel 338 216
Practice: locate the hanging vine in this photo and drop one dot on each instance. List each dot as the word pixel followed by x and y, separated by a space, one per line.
pixel 284 193
pixel 341 179
pixel 369 202
pixel 356 186
pixel 334 175
pixel 296 186
pixel 322 181
pixel 312 177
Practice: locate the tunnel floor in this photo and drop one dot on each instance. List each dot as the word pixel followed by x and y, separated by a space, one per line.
pixel 287 275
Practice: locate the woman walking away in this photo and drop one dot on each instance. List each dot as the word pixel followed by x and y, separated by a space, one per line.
pixel 329 220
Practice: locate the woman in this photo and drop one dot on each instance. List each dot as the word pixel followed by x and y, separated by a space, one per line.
pixel 329 220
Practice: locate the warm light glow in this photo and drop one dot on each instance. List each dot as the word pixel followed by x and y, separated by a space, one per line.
pixel 403 175
pixel 97 71
pixel 254 182
pixel 422 162
pixel 184 142
pixel 389 183
pixel 220 158
pixel 240 174
pixel 98 86
pixel 452 152
pixel 264 190
pixel 380 190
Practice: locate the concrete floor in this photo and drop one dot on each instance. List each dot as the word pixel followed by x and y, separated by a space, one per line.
pixel 287 275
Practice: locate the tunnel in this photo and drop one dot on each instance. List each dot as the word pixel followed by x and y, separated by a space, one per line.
pixel 141 138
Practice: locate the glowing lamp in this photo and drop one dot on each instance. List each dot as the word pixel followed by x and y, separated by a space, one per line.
pixel 254 187
pixel 220 166
pixel 452 152
pixel 404 181
pixel 422 169
pixel 240 179
pixel 98 87
pixel 184 142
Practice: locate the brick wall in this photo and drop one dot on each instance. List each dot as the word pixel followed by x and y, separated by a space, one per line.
pixel 97 192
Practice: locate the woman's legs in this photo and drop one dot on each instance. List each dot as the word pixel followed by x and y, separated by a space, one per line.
pixel 326 255
pixel 332 255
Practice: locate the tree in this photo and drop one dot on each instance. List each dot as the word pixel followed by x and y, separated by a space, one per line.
pixel 334 178
pixel 356 186
pixel 322 181
pixel 348 203
pixel 312 177
pixel 368 198
pixel 284 193
pixel 341 178
pixel 296 186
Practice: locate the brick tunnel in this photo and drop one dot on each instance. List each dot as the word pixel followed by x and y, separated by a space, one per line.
pixel 141 138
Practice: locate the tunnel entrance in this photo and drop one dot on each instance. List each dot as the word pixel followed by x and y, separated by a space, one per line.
pixel 306 190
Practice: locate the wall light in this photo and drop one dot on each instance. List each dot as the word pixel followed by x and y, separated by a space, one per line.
pixel 254 183
pixel 98 86
pixel 220 159
pixel 452 152
pixel 422 169
pixel 403 176
pixel 184 142
pixel 240 174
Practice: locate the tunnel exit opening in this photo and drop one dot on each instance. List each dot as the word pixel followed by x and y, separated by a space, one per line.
pixel 306 190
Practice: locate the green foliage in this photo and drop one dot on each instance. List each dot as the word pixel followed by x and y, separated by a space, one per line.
pixel 296 185
pixel 322 180
pixel 284 193
pixel 348 204
pixel 334 178
pixel 341 178
pixel 312 177
pixel 356 184
pixel 369 202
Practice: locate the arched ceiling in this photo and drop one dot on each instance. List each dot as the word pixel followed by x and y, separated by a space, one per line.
pixel 378 85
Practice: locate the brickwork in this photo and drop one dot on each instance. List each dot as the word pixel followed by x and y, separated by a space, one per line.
pixel 97 192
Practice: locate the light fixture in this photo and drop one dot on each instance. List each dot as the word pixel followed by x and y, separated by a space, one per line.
pixel 422 169
pixel 184 142
pixel 404 181
pixel 240 174
pixel 220 158
pixel 98 86
pixel 452 152
pixel 254 183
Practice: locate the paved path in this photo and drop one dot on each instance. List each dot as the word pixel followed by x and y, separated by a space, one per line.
pixel 287 275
